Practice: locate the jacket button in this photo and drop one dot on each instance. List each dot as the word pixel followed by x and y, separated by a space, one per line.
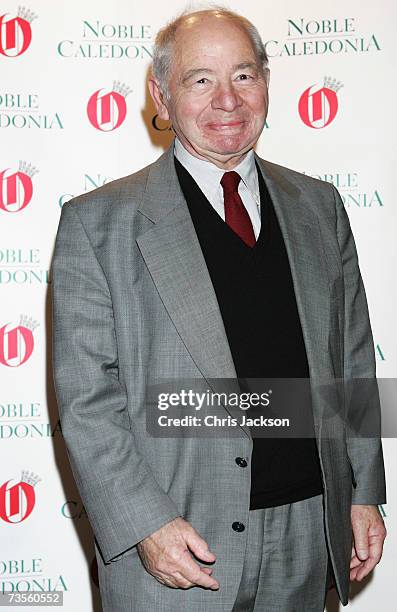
pixel 238 526
pixel 241 462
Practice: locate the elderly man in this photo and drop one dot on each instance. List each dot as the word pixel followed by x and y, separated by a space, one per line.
pixel 208 264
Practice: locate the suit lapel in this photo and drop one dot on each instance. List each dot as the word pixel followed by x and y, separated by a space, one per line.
pixel 176 263
pixel 300 227
pixel 173 255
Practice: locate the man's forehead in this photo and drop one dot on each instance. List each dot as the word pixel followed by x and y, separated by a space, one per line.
pixel 199 50
pixel 203 57
pixel 209 26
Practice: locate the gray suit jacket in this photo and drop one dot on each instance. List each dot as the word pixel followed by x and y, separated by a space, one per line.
pixel 133 301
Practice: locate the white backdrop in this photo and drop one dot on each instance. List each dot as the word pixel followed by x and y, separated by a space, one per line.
pixel 74 114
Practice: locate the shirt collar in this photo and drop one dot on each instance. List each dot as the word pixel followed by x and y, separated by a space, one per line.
pixel 208 176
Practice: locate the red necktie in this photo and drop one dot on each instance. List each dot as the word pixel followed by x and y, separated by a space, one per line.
pixel 236 215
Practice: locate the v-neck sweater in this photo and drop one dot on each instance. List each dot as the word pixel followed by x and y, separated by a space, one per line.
pixel 256 298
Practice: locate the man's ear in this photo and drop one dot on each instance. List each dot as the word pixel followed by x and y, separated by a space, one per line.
pixel 267 76
pixel 158 99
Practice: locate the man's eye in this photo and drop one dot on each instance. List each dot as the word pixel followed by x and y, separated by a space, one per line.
pixel 245 76
pixel 202 80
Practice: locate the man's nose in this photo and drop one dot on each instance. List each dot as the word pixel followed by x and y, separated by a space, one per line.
pixel 225 97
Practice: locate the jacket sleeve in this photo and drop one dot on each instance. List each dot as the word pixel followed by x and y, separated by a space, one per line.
pixel 124 503
pixel 365 453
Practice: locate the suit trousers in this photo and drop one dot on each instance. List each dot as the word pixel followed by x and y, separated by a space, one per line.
pixel 287 566
pixel 286 569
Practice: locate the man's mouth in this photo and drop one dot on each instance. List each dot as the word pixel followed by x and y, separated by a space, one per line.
pixel 225 125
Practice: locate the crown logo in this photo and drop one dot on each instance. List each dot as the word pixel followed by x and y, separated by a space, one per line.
pixel 121 88
pixel 30 478
pixel 28 322
pixel 25 13
pixel 333 84
pixel 27 168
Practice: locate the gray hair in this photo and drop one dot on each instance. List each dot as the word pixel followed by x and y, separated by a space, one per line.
pixel 164 41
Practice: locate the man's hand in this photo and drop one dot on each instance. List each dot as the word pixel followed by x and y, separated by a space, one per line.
pixel 369 532
pixel 166 555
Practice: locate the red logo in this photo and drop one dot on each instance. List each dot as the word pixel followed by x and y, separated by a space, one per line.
pixel 107 111
pixel 16 33
pixel 318 104
pixel 16 189
pixel 17 501
pixel 17 342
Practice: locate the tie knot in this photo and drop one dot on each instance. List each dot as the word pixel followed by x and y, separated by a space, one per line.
pixel 230 181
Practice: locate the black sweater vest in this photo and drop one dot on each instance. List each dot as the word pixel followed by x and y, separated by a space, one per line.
pixel 256 298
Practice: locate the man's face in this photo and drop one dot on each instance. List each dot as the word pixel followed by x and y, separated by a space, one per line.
pixel 218 93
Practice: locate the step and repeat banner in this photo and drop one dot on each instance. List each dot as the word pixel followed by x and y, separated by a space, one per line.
pixel 75 113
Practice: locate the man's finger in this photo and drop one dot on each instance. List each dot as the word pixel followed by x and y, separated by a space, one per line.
pixel 192 571
pixel 365 569
pixel 355 562
pixel 176 581
pixel 353 572
pixel 180 581
pixel 376 546
pixel 375 554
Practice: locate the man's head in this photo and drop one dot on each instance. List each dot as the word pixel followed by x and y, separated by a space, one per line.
pixel 210 78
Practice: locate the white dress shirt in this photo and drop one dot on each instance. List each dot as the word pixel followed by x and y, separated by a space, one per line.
pixel 208 178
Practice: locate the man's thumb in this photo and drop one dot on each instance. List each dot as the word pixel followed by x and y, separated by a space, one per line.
pixel 361 543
